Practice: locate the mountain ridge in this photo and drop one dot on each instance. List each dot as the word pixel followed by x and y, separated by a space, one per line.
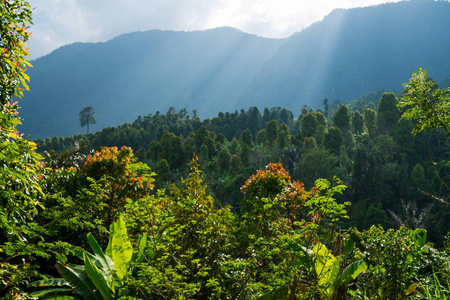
pixel 347 54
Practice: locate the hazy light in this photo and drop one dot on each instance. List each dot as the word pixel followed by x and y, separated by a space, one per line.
pixel 60 22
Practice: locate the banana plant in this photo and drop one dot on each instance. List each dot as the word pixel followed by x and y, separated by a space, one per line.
pixel 100 276
pixel 325 267
pixel 328 270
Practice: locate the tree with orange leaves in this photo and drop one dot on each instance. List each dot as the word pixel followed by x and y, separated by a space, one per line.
pixel 116 175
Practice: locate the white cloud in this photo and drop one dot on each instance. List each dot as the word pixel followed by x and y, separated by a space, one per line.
pixel 60 22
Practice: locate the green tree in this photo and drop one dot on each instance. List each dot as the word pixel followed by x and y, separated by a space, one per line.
pixel 427 105
pixel 191 238
pixel 223 160
pixel 333 140
pixel 163 170
pixel 20 186
pixel 418 176
pixel 357 122
pixel 308 127
pixel 15 17
pixel 325 104
pixel 387 113
pixel 116 176
pixel 261 137
pixel 370 117
pixel 319 135
pixel 283 136
pixel 309 143
pixel 320 118
pixel 271 132
pixel 200 136
pixel 87 117
pixel 246 138
pixel 341 118
pixel 235 163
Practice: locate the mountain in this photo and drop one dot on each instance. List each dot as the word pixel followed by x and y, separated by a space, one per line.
pixel 348 53
pixel 354 51
pixel 140 73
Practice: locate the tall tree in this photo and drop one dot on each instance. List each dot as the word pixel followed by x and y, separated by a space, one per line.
pixel 357 122
pixel 370 117
pixel 308 127
pixel 87 117
pixel 333 140
pixel 271 132
pixel 387 114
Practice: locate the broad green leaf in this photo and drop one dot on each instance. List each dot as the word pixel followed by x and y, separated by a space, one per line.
pixel 144 251
pixel 100 259
pixel 56 293
pixel 326 266
pixel 348 247
pixel 64 297
pixel 351 272
pixel 419 237
pixel 97 278
pixel 49 282
pixel 119 247
pixel 275 294
pixel 79 281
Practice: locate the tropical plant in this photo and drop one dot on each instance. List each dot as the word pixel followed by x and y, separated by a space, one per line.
pixel 103 274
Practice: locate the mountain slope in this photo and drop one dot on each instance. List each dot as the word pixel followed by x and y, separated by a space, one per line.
pixel 355 51
pixel 347 54
pixel 139 73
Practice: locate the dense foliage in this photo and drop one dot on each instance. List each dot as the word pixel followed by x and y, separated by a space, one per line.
pixel 225 233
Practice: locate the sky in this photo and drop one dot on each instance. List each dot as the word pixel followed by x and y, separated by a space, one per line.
pixel 61 22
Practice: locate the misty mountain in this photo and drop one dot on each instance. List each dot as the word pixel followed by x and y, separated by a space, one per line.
pixel 349 53
pixel 352 52
pixel 140 73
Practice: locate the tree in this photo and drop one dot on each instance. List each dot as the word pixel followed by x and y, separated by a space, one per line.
pixel 387 114
pixel 271 132
pixel 357 122
pixel 333 140
pixel 428 105
pixel 325 104
pixel 283 136
pixel 223 160
pixel 246 138
pixel 341 118
pixel 15 15
pixel 19 186
pixel 370 117
pixel 116 176
pixel 87 117
pixel 163 170
pixel 308 127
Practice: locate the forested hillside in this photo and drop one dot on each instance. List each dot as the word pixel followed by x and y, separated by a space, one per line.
pixel 364 143
pixel 347 54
